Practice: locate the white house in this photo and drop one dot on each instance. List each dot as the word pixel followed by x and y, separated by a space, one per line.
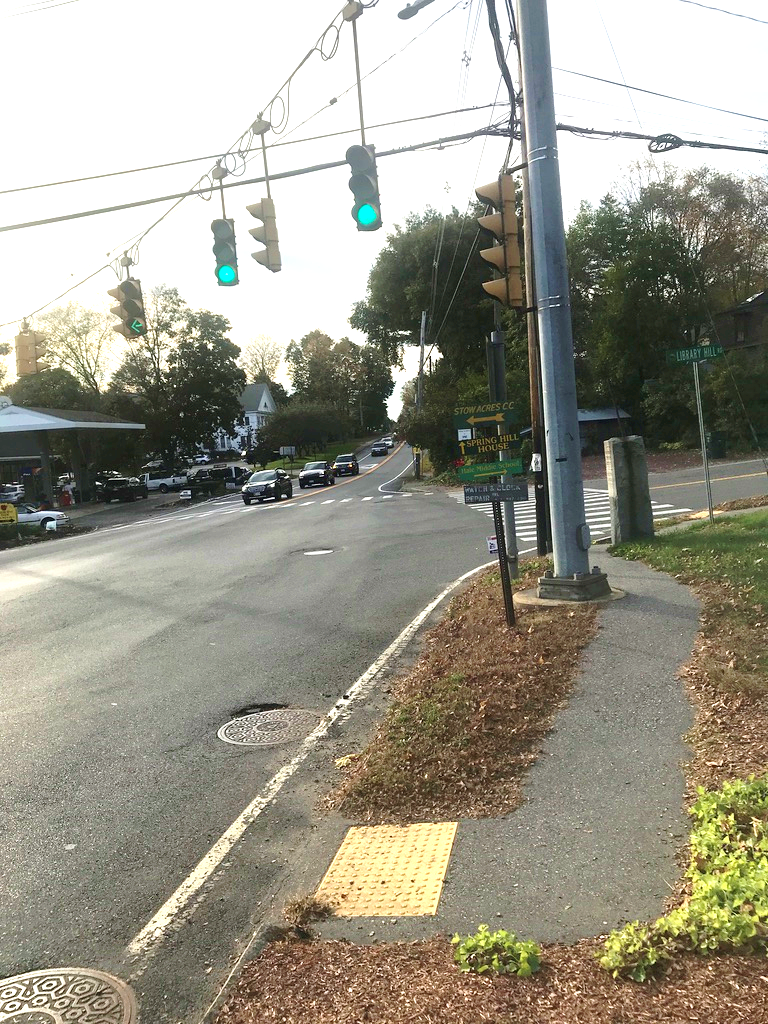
pixel 258 405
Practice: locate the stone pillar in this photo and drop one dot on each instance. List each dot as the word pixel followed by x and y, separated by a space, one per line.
pixel 627 473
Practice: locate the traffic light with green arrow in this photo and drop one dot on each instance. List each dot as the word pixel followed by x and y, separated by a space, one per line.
pixel 129 309
pixel 364 184
pixel 225 251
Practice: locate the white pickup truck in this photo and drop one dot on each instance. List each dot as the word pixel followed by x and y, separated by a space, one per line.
pixel 162 480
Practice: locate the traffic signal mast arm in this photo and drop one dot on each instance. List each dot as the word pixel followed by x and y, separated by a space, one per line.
pixel 503 225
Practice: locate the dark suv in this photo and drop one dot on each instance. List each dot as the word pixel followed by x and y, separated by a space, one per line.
pixel 346 464
pixel 267 483
pixel 123 488
pixel 316 473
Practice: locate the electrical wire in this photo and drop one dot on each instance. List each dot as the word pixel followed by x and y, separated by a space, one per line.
pixel 722 10
pixel 658 143
pixel 663 95
pixel 221 156
pixel 36 9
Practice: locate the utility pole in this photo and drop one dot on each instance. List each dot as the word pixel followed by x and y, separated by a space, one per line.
pixel 571 579
pixel 420 386
pixel 539 447
pixel 702 432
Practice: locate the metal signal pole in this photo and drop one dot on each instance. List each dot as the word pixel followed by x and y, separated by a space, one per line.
pixel 572 579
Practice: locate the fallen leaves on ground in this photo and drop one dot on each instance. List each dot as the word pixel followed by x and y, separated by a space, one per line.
pixel 469 719
pixel 418 983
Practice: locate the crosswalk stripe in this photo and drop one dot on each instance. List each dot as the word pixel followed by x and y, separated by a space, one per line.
pixel 330 501
pixel 369 498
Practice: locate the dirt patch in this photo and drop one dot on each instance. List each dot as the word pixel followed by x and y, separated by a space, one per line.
pixel 337 983
pixel 470 717
pixel 17 539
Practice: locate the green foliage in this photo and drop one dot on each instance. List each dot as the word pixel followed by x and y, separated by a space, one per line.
pixel 356 380
pixel 498 952
pixel 728 874
pixel 309 426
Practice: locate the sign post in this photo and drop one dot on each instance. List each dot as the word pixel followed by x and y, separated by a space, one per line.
pixel 696 354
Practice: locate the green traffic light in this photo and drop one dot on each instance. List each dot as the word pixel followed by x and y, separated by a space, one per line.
pixel 226 274
pixel 367 215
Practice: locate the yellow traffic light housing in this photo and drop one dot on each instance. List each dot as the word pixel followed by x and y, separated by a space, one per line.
pixel 269 257
pixel 30 349
pixel 503 225
pixel 129 309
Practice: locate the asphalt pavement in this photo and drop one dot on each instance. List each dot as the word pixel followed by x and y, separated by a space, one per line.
pixel 125 651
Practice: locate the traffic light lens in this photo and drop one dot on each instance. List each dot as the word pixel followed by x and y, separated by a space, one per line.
pixel 226 274
pixel 367 215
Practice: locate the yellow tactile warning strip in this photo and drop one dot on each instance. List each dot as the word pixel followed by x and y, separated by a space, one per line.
pixel 389 870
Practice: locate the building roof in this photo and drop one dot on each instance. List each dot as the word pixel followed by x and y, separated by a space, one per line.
pixel 759 299
pixel 252 398
pixel 16 419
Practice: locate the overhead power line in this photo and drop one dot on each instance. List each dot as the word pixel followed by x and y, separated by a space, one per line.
pixel 658 143
pixel 722 10
pixel 218 156
pixel 663 95
pixel 494 130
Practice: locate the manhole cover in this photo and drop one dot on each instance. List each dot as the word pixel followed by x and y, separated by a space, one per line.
pixel 65 994
pixel 267 728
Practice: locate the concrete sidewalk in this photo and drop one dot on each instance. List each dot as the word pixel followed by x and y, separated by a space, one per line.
pixel 594 843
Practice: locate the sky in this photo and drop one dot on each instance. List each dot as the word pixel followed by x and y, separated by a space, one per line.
pixel 93 87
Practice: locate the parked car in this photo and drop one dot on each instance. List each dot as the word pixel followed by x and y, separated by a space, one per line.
pixel 201 460
pixel 33 516
pixel 316 473
pixel 13 493
pixel 346 465
pixel 267 483
pixel 379 448
pixel 124 488
pixel 163 480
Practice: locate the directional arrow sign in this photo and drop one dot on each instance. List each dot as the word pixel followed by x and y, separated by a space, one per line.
pixel 484 469
pixel 695 354
pixel 486 445
pixel 476 415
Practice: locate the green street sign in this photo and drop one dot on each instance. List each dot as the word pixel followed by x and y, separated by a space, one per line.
pixel 489 414
pixel 486 469
pixel 486 445
pixel 694 354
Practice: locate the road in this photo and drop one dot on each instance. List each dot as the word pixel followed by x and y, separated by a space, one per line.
pixel 126 650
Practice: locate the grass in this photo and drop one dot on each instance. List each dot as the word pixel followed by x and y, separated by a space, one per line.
pixel 726 564
pixel 468 720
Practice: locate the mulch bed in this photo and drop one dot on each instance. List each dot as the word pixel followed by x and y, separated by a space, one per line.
pixel 470 718
pixel 418 983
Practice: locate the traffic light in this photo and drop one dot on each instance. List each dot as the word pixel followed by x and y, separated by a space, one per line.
pixel 267 234
pixel 129 309
pixel 365 187
pixel 225 251
pixel 500 194
pixel 30 348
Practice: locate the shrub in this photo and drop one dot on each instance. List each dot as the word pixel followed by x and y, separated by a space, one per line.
pixel 499 952
pixel 728 872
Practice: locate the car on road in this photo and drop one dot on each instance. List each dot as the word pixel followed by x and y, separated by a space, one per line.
pixel 124 488
pixel 267 483
pixel 346 465
pixel 379 448
pixel 389 441
pixel 316 473
pixel 31 515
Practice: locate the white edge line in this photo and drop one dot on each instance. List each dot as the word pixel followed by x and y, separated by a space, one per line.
pixel 382 486
pixel 156 929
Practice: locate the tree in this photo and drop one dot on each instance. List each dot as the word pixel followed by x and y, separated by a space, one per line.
pixel 79 340
pixel 431 264
pixel 52 389
pixel 5 350
pixel 181 379
pixel 309 426
pixel 261 359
